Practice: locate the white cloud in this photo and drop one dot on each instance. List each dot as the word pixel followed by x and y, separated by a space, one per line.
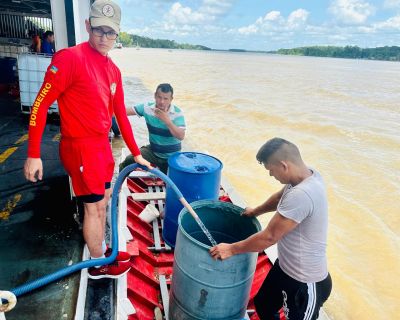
pixel 339 37
pixel 392 4
pixel 208 11
pixel 297 18
pixel 137 2
pixel 351 11
pixel 184 15
pixel 251 29
pixel 215 7
pixel 391 23
pixel 199 22
pixel 183 20
pixel 272 16
pixel 143 31
pixel 274 21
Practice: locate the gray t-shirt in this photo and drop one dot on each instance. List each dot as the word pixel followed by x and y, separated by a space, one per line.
pixel 302 252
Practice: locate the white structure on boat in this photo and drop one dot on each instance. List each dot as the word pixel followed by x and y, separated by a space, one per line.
pixel 19 20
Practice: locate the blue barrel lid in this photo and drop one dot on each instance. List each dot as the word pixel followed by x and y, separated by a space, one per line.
pixel 194 162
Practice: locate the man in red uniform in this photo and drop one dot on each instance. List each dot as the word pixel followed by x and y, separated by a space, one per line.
pixel 88 87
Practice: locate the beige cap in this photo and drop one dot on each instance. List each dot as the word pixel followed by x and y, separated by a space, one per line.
pixel 105 13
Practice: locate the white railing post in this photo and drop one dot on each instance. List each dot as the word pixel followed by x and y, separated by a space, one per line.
pixel 124 305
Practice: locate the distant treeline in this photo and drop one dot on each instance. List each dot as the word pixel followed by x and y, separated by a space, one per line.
pixel 351 52
pixel 130 40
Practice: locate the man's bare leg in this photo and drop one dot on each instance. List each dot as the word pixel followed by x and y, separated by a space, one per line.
pixel 93 227
pixel 107 196
pixel 94 232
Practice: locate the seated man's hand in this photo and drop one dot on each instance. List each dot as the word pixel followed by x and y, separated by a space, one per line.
pixel 162 115
pixel 248 212
pixel 140 160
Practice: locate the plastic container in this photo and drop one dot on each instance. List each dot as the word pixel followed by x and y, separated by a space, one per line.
pixel 31 69
pixel 204 288
pixel 8 70
pixel 198 177
pixel 149 213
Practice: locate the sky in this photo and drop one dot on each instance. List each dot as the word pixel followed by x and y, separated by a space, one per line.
pixel 265 24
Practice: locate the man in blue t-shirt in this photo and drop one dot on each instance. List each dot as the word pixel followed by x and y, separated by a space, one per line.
pixel 47 43
pixel 166 125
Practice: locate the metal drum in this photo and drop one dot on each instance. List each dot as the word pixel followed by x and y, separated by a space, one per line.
pixel 204 288
pixel 198 177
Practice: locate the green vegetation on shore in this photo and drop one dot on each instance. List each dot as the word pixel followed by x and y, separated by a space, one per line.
pixel 130 40
pixel 351 52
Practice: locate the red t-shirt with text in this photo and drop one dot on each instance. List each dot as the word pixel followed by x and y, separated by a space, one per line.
pixel 88 88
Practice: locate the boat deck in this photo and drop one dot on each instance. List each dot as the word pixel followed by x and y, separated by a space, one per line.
pixel 38 234
pixel 148 281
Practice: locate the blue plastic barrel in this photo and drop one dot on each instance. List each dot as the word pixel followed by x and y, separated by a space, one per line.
pixel 204 288
pixel 198 177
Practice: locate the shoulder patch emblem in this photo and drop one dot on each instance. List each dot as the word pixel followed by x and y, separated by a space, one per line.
pixel 53 69
pixel 113 88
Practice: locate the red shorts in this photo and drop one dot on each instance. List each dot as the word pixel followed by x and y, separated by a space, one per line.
pixel 89 162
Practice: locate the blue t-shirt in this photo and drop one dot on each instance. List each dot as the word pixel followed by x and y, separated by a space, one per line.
pixel 47 48
pixel 162 142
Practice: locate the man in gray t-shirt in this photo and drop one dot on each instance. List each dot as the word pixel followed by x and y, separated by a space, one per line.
pixel 299 281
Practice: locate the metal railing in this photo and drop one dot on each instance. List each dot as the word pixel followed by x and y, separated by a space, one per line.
pixel 19 26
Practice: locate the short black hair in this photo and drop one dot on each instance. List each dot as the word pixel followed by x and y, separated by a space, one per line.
pixel 48 34
pixel 165 88
pixel 290 152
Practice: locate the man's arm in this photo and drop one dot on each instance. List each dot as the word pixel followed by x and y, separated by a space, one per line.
pixel 38 45
pixel 269 205
pixel 57 78
pixel 276 229
pixel 130 111
pixel 33 167
pixel 127 134
pixel 120 112
pixel 176 131
pixel 126 129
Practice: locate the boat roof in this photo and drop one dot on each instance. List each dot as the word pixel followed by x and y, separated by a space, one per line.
pixel 26 7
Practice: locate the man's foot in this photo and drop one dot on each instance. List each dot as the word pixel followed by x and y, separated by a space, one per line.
pixel 121 257
pixel 114 270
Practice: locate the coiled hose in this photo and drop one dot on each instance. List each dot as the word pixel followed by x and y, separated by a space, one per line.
pixel 9 298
